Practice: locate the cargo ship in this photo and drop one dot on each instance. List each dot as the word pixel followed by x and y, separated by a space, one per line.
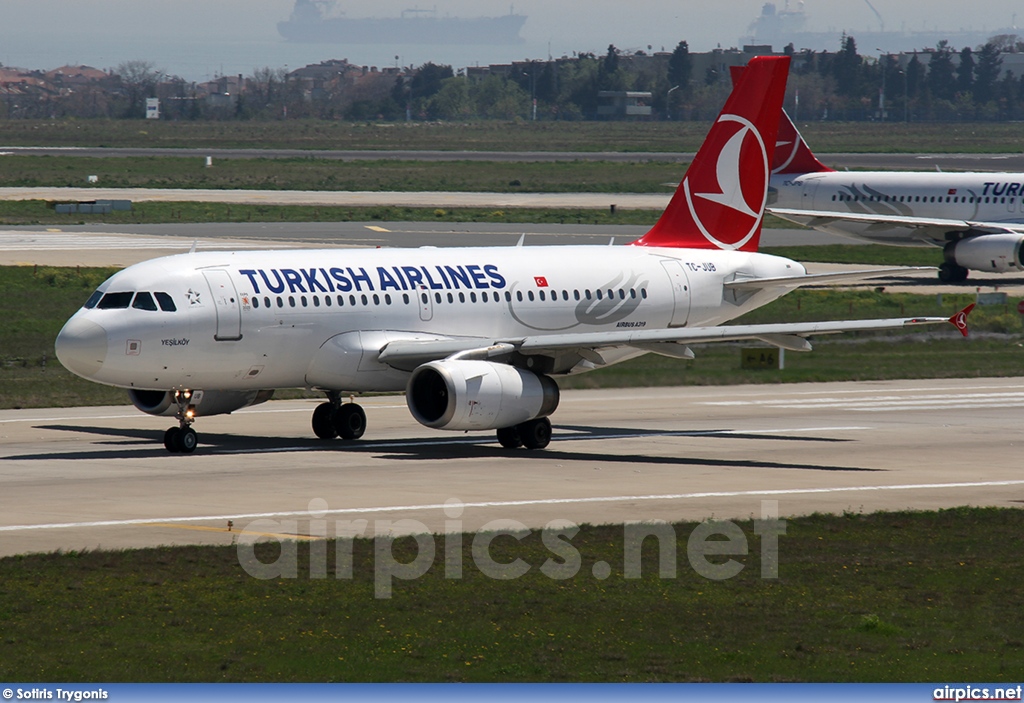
pixel 313 22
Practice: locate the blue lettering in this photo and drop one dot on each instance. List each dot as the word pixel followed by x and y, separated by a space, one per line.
pixel 987 186
pixel 1013 189
pixel 386 279
pixel 458 275
pixel 479 280
pixel 314 285
pixel 294 281
pixel 497 280
pixel 433 285
pixel 361 276
pixel 279 288
pixel 343 283
pixel 414 276
pixel 398 273
pixel 447 283
pixel 330 286
pixel 252 279
pixel 997 190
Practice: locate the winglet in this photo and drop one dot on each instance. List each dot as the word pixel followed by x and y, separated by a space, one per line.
pixel 960 319
pixel 720 202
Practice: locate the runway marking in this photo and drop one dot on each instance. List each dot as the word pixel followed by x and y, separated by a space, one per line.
pixel 57 241
pixel 520 503
pixel 375 228
pixel 888 403
pixel 203 528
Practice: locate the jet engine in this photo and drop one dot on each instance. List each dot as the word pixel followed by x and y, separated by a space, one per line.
pixel 478 395
pixel 205 402
pixel 997 253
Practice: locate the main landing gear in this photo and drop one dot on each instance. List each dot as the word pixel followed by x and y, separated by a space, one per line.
pixel 182 439
pixel 332 419
pixel 952 273
pixel 532 434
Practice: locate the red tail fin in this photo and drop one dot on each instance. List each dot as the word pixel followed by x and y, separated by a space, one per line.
pixel 792 155
pixel 720 202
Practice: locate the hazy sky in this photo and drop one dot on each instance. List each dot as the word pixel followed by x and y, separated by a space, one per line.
pixel 199 38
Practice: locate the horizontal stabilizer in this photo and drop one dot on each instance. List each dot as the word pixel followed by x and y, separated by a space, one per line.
pixel 814 279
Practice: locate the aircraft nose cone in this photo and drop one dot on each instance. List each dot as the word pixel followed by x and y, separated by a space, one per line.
pixel 82 346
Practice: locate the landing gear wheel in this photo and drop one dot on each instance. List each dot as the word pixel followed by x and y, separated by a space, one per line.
pixel 171 439
pixel 180 440
pixel 187 440
pixel 952 273
pixel 508 437
pixel 350 421
pixel 535 434
pixel 323 421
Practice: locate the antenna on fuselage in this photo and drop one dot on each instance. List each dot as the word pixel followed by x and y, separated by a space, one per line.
pixel 611 242
pixel 522 238
pixel 192 249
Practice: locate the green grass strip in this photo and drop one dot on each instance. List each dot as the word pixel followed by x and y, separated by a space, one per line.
pixel 888 597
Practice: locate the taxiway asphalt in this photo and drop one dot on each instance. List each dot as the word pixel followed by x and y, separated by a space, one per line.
pixel 100 477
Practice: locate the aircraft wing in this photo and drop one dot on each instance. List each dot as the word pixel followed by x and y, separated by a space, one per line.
pixel 814 279
pixel 926 228
pixel 670 342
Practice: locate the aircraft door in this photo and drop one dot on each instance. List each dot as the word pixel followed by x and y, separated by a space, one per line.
pixel 225 299
pixel 425 304
pixel 680 292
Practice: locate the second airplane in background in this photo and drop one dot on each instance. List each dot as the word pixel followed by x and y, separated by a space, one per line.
pixel 977 218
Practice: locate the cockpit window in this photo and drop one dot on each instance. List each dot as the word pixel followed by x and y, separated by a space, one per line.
pixel 115 301
pixel 166 303
pixel 93 299
pixel 144 301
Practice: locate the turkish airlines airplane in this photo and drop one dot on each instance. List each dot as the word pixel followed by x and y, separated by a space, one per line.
pixel 977 218
pixel 472 335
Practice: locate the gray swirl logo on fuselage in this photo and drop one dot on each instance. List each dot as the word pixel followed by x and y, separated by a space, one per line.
pixel 606 310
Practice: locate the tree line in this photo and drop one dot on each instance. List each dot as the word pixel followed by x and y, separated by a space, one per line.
pixel 935 84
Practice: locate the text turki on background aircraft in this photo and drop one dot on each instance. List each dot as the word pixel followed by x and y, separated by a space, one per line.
pixel 472 335
pixel 977 218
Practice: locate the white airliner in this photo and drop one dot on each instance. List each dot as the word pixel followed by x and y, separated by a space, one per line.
pixel 473 335
pixel 977 218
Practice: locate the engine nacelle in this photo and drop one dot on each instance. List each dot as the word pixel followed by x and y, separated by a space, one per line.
pixel 998 253
pixel 205 402
pixel 478 395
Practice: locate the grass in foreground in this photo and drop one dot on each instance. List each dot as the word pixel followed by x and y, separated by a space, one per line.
pixel 897 597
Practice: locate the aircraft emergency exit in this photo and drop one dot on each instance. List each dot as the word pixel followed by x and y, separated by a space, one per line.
pixel 474 336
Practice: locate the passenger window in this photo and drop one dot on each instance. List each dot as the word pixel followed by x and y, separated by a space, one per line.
pixel 405 298
pixel 93 299
pixel 280 303
pixel 530 295
pixel 115 301
pixel 255 303
pixel 167 303
pixel 462 297
pixel 144 301
pixel 376 299
pixel 266 301
pixel 519 295
pixel 291 301
pixel 341 300
pixel 387 299
pixel 327 300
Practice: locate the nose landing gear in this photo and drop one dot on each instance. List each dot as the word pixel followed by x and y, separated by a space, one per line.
pixel 182 439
